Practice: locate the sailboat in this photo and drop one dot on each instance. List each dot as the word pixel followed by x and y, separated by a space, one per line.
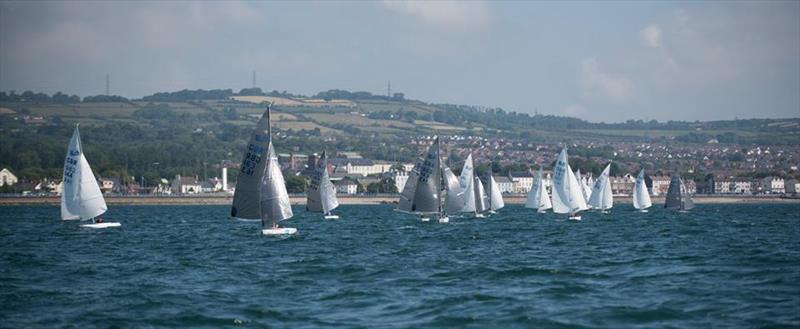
pixel 481 200
pixel 260 188
pixel 537 197
pixel 467 182
pixel 454 198
pixel 678 197
pixel 602 198
pixel 495 196
pixel 567 192
pixel 81 198
pixel 641 198
pixel 422 194
pixel 321 192
pixel 586 189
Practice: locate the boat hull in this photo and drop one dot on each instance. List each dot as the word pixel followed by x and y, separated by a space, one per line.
pixel 331 217
pixel 279 231
pixel 444 220
pixel 102 225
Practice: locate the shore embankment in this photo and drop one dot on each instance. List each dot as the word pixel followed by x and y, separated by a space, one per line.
pixel 356 200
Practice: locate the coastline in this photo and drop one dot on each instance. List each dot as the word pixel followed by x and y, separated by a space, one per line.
pixel 353 200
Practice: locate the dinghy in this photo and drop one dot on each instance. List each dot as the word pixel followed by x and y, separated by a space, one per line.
pixel 601 198
pixel 321 192
pixel 81 198
pixel 537 196
pixel 586 189
pixel 641 198
pixel 481 200
pixel 454 198
pixel 567 192
pixel 260 188
pixel 678 197
pixel 422 195
pixel 467 182
pixel 495 196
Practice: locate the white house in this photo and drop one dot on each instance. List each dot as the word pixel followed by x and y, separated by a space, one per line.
pixel 660 185
pixel 346 186
pixel 186 185
pixel 7 177
pixel 792 186
pixel 504 184
pixel 522 181
pixel 773 185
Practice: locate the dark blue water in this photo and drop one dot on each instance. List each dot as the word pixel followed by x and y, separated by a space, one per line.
pixel 190 266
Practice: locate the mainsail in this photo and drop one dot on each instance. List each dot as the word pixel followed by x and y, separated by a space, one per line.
pixel 81 197
pixel 495 197
pixel 248 182
pixel 537 197
pixel 601 193
pixel 466 180
pixel 454 200
pixel 422 195
pixel 567 192
pixel 481 201
pixel 677 196
pixel 321 192
pixel 586 189
pixel 641 198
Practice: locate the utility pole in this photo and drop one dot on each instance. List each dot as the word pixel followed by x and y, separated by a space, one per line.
pixel 254 78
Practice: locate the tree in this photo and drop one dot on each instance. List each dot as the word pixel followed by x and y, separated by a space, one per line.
pixel 296 183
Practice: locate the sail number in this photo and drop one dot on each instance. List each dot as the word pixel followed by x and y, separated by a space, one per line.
pixel 427 168
pixel 69 169
pixel 251 159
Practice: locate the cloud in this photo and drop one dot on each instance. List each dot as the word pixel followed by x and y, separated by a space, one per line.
pixel 598 84
pixel 447 14
pixel 575 110
pixel 651 36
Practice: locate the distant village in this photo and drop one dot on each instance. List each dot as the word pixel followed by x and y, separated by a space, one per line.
pixel 353 174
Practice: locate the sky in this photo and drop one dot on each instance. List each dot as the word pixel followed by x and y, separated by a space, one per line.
pixel 599 61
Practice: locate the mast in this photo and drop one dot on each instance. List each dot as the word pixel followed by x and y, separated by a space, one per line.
pixel 441 176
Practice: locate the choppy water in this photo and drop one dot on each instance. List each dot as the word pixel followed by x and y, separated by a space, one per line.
pixel 190 266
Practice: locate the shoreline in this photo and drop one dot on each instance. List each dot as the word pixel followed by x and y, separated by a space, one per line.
pixel 353 200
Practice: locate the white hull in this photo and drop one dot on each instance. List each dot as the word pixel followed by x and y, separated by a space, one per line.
pixel 492 212
pixel 279 231
pixel 424 219
pixel 643 210
pixel 331 217
pixel 576 217
pixel 480 216
pixel 605 212
pixel 444 220
pixel 102 225
pixel 541 211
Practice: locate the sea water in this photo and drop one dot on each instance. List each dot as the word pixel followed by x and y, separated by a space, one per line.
pixel 192 266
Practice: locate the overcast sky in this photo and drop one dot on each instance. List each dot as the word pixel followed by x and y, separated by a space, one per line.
pixel 601 61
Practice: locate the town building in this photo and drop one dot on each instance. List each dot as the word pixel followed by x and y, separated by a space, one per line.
pixel 7 178
pixel 186 185
pixel 522 181
pixel 346 186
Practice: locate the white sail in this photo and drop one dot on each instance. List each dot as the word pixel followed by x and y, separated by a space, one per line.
pixel 81 197
pixel 321 192
pixel 495 197
pixel 586 191
pixel 467 185
pixel 274 199
pixel 601 193
pixel 454 199
pixel 537 196
pixel 567 192
pixel 587 182
pixel 481 201
pixel 246 202
pixel 641 197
